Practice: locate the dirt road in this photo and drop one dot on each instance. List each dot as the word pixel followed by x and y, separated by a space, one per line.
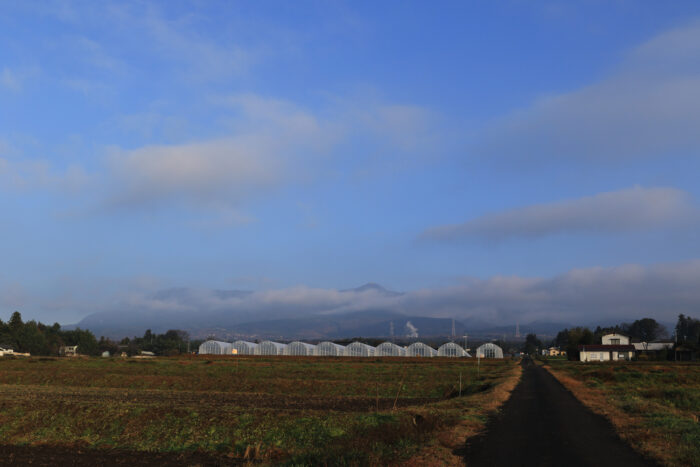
pixel 543 424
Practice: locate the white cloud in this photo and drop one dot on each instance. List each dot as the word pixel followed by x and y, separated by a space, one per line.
pixel 272 143
pixel 265 144
pixel 648 107
pixel 618 211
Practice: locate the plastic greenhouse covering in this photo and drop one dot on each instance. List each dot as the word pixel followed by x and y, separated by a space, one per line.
pixel 451 350
pixel 271 348
pixel 301 349
pixel 389 349
pixel 419 349
pixel 330 349
pixel 489 350
pixel 245 347
pixel 215 348
pixel 359 349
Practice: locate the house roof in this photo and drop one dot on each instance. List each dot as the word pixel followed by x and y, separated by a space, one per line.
pixel 611 348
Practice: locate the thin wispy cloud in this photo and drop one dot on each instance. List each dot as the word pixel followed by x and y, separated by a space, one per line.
pixel 648 107
pixel 630 210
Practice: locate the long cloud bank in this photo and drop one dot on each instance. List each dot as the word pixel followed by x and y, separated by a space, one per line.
pixel 625 210
pixel 585 296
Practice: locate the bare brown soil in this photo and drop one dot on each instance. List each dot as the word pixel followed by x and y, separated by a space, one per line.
pixel 51 456
pixel 10 394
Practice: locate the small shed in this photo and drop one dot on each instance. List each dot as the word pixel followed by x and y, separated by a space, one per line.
pixel 68 350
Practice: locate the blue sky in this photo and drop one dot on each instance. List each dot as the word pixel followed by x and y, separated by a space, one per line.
pixel 294 148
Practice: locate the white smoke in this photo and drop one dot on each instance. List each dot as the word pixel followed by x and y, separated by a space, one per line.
pixel 411 330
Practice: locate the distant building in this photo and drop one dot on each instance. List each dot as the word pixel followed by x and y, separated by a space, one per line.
pixel 6 350
pixel 614 347
pixel 68 351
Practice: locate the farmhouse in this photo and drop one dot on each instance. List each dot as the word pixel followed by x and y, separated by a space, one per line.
pixel 6 350
pixel 614 347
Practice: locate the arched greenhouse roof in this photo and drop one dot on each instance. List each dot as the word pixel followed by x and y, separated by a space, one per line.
pixel 212 347
pixel 245 347
pixel 451 349
pixel 359 349
pixel 489 350
pixel 271 348
pixel 298 348
pixel 419 349
pixel 330 349
pixel 389 349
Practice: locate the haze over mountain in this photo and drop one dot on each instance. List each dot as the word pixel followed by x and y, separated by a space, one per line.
pixel 486 306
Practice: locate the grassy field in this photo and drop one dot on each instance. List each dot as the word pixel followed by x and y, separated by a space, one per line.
pixel 289 410
pixel 654 405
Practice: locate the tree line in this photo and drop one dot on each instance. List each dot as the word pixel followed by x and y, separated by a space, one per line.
pixel 37 338
pixel 686 333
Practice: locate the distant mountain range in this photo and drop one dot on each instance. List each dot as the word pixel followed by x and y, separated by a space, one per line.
pixel 226 324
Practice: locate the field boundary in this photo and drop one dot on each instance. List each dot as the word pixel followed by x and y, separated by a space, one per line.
pixel 442 450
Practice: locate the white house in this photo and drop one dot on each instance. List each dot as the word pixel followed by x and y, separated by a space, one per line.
pixel 614 347
pixel 615 339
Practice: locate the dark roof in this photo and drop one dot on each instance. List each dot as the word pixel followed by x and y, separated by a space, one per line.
pixel 611 348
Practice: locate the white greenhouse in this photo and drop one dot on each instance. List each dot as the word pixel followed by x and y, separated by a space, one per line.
pixel 389 349
pixel 359 349
pixel 244 347
pixel 330 349
pixel 419 349
pixel 489 350
pixel 215 348
pixel 271 348
pixel 301 349
pixel 451 350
